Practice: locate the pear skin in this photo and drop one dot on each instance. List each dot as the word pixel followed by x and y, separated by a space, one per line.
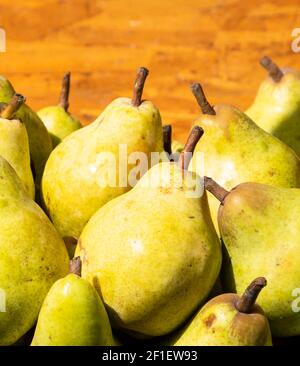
pixel 276 107
pixel 59 122
pixel 14 146
pixel 236 150
pixel 260 230
pixel 6 89
pixel 39 140
pixel 77 179
pixel 153 253
pixel 220 322
pixel 32 256
pixel 73 314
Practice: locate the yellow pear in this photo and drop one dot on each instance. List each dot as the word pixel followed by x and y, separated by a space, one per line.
pixel 33 257
pixel 14 145
pixel 82 173
pixel 229 320
pixel 259 227
pixel 73 314
pixel 236 150
pixel 39 140
pixel 153 253
pixel 276 107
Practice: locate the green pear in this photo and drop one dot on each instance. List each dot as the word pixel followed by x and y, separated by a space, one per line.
pixel 32 256
pixel 14 145
pixel 39 140
pixel 59 122
pixel 276 107
pixel 153 253
pixel 82 173
pixel 229 320
pixel 236 150
pixel 259 226
pixel 73 314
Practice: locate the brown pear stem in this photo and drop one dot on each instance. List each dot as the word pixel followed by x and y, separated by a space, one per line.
pixel 139 86
pixel 65 91
pixel 274 71
pixel 167 137
pixel 75 266
pixel 187 152
pixel 198 92
pixel 12 107
pixel 247 300
pixel 214 188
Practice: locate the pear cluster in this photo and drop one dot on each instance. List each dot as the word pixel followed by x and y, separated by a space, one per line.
pixel 198 252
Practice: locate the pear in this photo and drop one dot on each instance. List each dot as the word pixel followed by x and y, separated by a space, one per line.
pixel 276 107
pixel 39 140
pixel 153 253
pixel 59 122
pixel 14 145
pixel 32 256
pixel 73 314
pixel 82 173
pixel 229 320
pixel 236 150
pixel 260 229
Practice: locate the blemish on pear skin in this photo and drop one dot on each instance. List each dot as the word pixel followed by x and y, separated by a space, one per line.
pixel 210 320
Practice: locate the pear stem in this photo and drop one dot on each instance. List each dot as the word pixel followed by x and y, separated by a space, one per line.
pixel 274 71
pixel 12 107
pixel 139 86
pixel 247 300
pixel 214 188
pixel 198 92
pixel 65 91
pixel 75 266
pixel 167 137
pixel 189 147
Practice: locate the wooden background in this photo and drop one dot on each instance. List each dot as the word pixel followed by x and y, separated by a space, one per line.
pixel 103 42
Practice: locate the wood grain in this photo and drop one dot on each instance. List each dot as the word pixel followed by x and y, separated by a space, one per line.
pixel 103 42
